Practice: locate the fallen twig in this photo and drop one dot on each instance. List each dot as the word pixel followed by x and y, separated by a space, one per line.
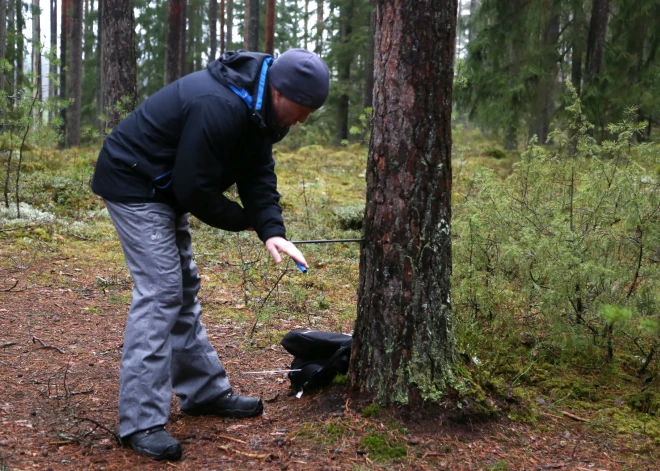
pixel 551 415
pixel 226 449
pixel 73 393
pixel 113 434
pixel 45 345
pixel 575 417
pixel 9 289
pixel 8 344
pixel 225 437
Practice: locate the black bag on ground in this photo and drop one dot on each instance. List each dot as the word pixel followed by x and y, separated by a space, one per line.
pixel 320 356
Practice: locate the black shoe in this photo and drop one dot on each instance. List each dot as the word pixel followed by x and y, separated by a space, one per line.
pixel 230 405
pixel 154 443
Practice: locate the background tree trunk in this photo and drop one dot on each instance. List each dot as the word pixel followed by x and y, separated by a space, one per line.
pixel 222 26
pixel 344 61
pixel 596 40
pixel 73 131
pixel 173 61
pixel 253 26
pixel 369 67
pixel 403 348
pixel 119 65
pixel 20 45
pixel 306 25
pixel 230 24
pixel 270 27
pixel 36 47
pixel 213 34
pixel 319 27
pixel 64 39
pixel 182 38
pixel 3 53
pixel 474 4
pixel 246 24
pixel 99 69
pixel 52 68
pixel 539 123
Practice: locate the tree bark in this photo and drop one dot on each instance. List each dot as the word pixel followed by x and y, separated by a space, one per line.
pixel 173 55
pixel 596 38
pixel 270 27
pixel 119 65
pixel 73 124
pixel 213 22
pixel 253 26
pixel 64 40
pixel 403 347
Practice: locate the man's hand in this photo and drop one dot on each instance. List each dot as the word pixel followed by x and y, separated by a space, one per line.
pixel 277 245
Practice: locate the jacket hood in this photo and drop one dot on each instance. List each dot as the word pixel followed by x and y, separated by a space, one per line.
pixel 246 74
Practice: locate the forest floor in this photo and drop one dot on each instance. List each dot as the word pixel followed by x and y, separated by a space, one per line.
pixel 65 292
pixel 60 347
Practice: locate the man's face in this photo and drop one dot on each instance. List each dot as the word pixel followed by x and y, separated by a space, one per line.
pixel 286 113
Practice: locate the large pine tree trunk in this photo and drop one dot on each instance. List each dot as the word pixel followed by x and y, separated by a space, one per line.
pixel 253 26
pixel 213 22
pixel 119 66
pixel 403 348
pixel 73 131
pixel 173 54
pixel 596 40
pixel 270 27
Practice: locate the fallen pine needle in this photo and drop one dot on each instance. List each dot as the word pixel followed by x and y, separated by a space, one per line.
pixel 225 437
pixel 572 416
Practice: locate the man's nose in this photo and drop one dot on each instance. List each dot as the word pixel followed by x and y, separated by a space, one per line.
pixel 303 118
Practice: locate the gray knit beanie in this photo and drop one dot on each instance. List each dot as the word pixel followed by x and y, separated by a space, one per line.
pixel 302 77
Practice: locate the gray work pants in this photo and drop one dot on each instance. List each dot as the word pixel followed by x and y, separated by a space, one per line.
pixel 165 344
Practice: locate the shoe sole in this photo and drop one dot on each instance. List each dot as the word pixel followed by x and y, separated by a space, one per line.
pixel 230 413
pixel 171 453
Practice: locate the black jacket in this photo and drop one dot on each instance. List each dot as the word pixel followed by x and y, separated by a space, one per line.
pixel 189 142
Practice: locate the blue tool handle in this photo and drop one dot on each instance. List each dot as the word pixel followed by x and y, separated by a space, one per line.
pixel 301 266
